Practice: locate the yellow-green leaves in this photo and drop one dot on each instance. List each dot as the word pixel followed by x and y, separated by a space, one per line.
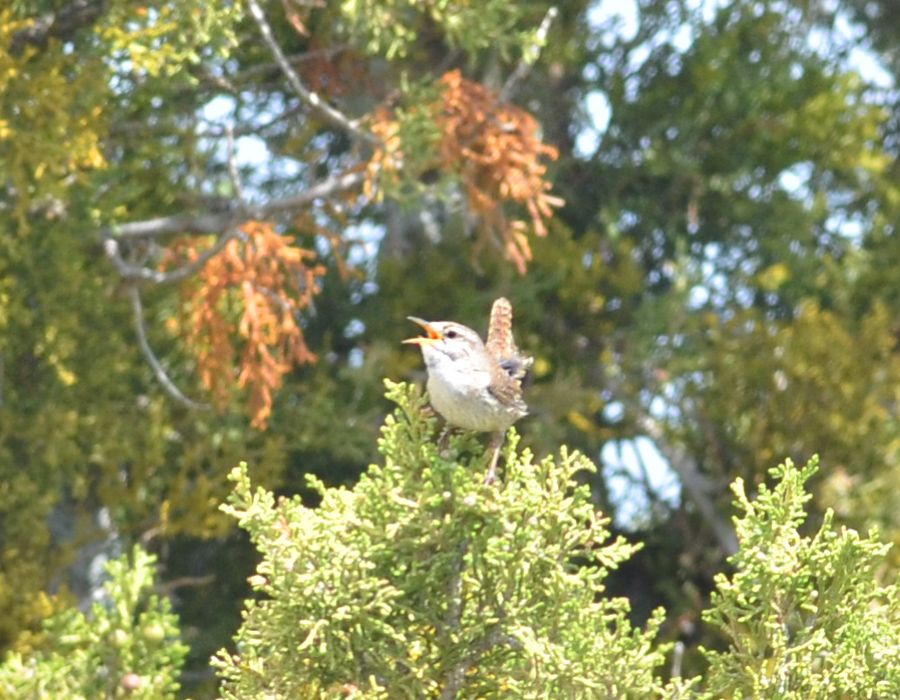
pixel 392 27
pixel 126 646
pixel 422 578
pixel 803 613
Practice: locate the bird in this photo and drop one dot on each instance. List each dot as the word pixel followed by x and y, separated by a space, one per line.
pixel 472 384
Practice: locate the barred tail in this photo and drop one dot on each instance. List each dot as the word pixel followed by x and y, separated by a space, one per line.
pixel 500 341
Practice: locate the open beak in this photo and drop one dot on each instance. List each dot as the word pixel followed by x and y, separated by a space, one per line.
pixel 433 336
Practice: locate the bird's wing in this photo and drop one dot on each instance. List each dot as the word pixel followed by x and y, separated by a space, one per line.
pixel 516 367
pixel 507 388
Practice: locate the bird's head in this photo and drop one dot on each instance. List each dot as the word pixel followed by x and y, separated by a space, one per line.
pixel 448 338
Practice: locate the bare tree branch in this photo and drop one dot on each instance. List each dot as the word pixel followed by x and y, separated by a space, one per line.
pixel 228 220
pixel 169 587
pixel 219 221
pixel 456 676
pixel 160 372
pixel 698 488
pixel 61 24
pixel 311 98
pixel 523 68
pixel 139 273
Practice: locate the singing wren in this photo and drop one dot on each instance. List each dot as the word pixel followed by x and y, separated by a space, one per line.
pixel 472 384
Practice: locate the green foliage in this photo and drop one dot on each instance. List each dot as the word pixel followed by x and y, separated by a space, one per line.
pixel 727 261
pixel 753 376
pixel 58 104
pixel 78 430
pixel 422 579
pixel 804 615
pixel 163 41
pixel 392 27
pixel 127 646
pixel 753 174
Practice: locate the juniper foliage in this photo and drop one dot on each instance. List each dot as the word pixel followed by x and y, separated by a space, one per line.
pixel 805 615
pixel 126 646
pixel 422 581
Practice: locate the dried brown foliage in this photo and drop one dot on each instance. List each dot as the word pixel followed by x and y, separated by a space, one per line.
pixel 240 314
pixel 387 159
pixel 495 150
pixel 330 72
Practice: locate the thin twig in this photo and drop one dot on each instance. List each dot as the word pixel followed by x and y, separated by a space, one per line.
pixel 163 378
pixel 256 129
pixel 677 658
pixel 170 586
pixel 233 172
pixel 140 273
pixel 523 68
pixel 218 221
pixel 312 55
pixel 454 588
pixel 176 126
pixel 457 675
pixel 316 103
pixel 645 474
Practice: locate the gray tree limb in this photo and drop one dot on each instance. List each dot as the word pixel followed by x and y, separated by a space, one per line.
pixel 697 486
pixel 211 222
pixel 311 98
pixel 160 372
pixel 526 62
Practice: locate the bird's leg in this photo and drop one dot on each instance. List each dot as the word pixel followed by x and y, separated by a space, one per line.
pixel 443 442
pixel 495 444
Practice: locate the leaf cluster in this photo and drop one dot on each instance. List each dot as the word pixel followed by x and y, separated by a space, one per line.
pixel 395 28
pixel 422 580
pixel 126 646
pixel 804 615
pixel 253 290
pixel 493 151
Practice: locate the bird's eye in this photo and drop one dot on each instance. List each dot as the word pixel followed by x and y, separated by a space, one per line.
pixel 451 334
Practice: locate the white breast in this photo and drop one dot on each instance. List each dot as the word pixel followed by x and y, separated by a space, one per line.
pixel 463 399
